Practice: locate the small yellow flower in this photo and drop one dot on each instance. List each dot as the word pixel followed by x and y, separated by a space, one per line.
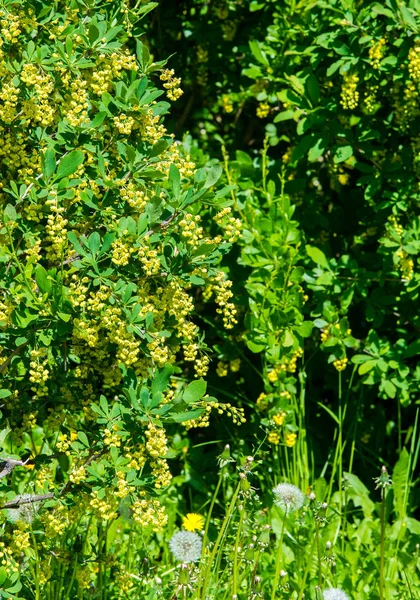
pixel 193 522
pixel 274 438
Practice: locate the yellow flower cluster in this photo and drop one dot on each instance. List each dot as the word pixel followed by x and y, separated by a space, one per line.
pixel 406 265
pixel 227 105
pixel 232 226
pixel 172 84
pixel 124 581
pixel 223 368
pixel 10 26
pixel 6 558
pixel 376 53
pixel 111 438
pixel 149 512
pixel 349 93
pixel 78 475
pixel 290 439
pixel 236 414
pixel 190 230
pixel 55 522
pixel 20 539
pixel 124 123
pixel 123 488
pixel 38 372
pixel 104 504
pixel 414 63
pixel 156 441
pixel 9 95
pixel 161 473
pixel 262 401
pixel 340 363
pixel 55 228
pixel 38 109
pixel 279 418
pixel 263 110
pixel 370 99
pixel 76 107
pixel 287 365
pixel 220 286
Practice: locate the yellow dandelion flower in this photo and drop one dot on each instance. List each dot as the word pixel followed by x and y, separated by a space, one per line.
pixel 193 522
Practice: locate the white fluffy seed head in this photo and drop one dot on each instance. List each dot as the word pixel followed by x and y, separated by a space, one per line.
pixel 186 546
pixel 335 594
pixel 288 497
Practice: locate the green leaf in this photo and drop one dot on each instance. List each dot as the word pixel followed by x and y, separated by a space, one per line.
pixel 69 164
pixel 41 278
pixel 4 432
pixel 389 388
pixel 413 349
pixel 194 391
pixel 305 329
pixel 3 575
pixel 5 393
pixel 161 379
pixel 257 52
pixel 318 149
pixel 342 153
pixel 160 147
pixel 83 438
pixel 256 347
pixel 175 180
pixel 359 494
pixel 49 163
pixel 73 239
pixel 213 175
pixel 187 416
pixel 367 366
pixel 317 256
pixel 94 242
pixel 9 213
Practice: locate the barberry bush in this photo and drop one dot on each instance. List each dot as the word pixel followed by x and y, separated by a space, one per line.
pixel 103 248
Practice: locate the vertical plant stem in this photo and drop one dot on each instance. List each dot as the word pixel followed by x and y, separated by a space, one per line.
pixel 202 593
pixel 308 566
pixel 278 559
pixel 209 514
pixel 382 557
pixel 37 589
pixel 318 545
pixel 235 556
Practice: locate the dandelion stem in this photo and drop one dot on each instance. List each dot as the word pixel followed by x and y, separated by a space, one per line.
pixel 235 556
pixel 278 559
pixel 382 557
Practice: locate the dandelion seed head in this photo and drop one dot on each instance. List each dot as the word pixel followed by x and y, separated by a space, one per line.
pixel 186 546
pixel 288 497
pixel 335 594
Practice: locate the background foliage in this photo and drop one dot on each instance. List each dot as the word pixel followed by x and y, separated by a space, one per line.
pixel 166 272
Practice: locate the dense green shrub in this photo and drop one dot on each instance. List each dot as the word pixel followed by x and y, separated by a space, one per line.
pixel 140 304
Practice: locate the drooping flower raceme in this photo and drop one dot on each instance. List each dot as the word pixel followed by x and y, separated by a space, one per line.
pixel 186 546
pixel 335 594
pixel 288 497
